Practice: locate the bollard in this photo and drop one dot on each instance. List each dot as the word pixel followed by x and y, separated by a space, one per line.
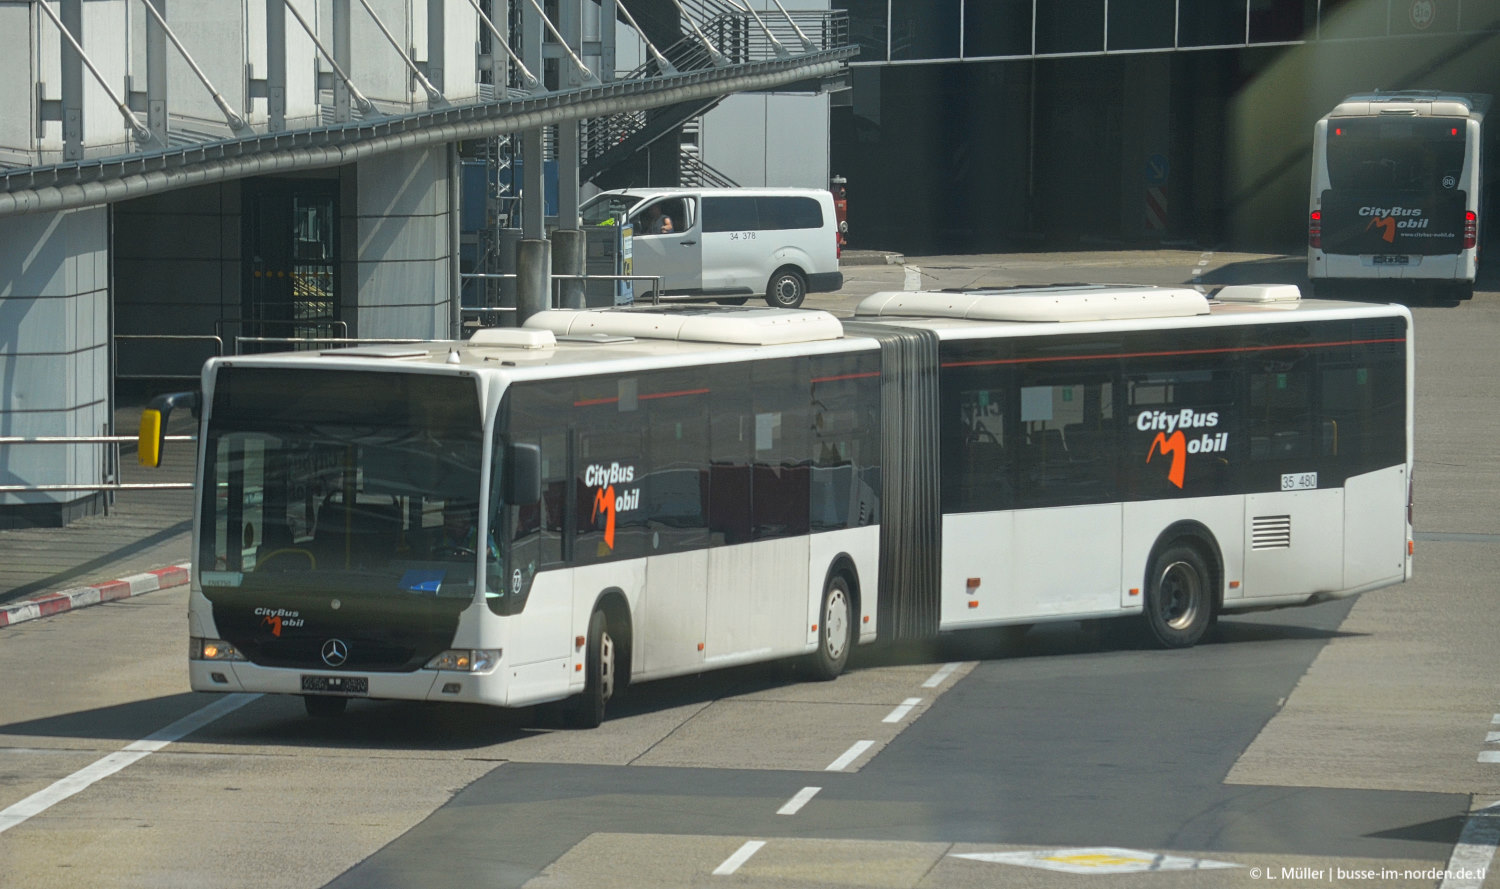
pixel 568 256
pixel 533 278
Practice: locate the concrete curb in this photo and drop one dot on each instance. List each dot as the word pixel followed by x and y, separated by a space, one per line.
pixel 68 600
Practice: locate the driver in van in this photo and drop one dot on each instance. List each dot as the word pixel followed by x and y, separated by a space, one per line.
pixel 657 222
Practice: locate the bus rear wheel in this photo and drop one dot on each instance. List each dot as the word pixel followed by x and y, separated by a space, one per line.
pixel 599 675
pixel 835 630
pixel 1179 597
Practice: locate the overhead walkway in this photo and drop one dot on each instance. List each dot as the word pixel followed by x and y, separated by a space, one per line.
pixel 726 49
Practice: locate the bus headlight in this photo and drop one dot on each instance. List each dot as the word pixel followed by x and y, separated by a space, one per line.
pixel 200 649
pixel 466 660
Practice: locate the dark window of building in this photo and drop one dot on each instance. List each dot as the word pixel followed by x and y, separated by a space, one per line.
pixel 925 29
pixel 869 22
pixel 1273 21
pixel 1351 18
pixel 1142 24
pixel 1218 23
pixel 1070 26
pixel 997 28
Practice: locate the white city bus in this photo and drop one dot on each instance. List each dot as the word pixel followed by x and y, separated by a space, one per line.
pixel 683 488
pixel 1397 189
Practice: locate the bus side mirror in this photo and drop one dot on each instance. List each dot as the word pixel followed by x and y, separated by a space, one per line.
pixel 153 434
pixel 523 474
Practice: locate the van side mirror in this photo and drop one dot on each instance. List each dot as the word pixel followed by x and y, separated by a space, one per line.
pixel 151 439
pixel 522 482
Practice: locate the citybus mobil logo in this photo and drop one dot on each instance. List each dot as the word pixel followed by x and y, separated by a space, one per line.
pixel 609 502
pixel 1172 429
pixel 278 618
pixel 1388 219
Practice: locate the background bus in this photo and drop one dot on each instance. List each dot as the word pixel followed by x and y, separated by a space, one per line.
pixel 1397 189
pixel 680 489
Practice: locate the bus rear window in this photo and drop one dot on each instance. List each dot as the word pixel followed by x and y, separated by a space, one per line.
pixel 1395 154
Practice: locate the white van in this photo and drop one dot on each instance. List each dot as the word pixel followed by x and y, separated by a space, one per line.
pixel 728 243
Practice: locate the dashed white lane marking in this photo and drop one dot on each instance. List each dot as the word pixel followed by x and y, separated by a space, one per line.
pixel 85 777
pixel 1489 756
pixel 1492 738
pixel 802 798
pixel 850 755
pixel 733 862
pixel 901 712
pixel 1474 850
pixel 913 278
pixel 1203 260
pixel 940 676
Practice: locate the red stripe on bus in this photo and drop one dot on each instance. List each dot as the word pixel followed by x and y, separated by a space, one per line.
pixel 1173 352
pixel 590 402
pixel 674 394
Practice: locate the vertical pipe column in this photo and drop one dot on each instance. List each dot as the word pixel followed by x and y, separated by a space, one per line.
pixel 570 27
pixel 275 68
pixel 71 13
pixel 341 55
pixel 533 155
pixel 568 258
pixel 533 277
pixel 156 73
pixel 436 43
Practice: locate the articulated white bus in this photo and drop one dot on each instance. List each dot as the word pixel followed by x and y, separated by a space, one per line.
pixel 666 491
pixel 1397 189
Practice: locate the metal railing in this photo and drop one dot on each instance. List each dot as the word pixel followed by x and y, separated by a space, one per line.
pixel 110 457
pixel 218 342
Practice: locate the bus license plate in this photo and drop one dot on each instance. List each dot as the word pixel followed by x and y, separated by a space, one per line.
pixel 1392 259
pixel 337 685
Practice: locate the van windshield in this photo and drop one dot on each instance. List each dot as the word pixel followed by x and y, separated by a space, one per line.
pixel 608 209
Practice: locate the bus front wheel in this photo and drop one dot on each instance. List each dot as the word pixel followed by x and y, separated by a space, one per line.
pixel 1179 597
pixel 599 675
pixel 835 630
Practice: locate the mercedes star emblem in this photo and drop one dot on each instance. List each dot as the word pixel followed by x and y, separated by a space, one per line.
pixel 335 652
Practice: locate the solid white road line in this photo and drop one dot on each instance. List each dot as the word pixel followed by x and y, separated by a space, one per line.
pixel 900 712
pixel 1475 850
pixel 850 755
pixel 941 675
pixel 733 862
pixel 82 779
pixel 802 798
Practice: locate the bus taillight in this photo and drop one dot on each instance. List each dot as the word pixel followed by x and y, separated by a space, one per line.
pixel 1471 229
pixel 1315 229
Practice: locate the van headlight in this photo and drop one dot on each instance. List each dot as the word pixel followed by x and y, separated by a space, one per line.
pixel 466 660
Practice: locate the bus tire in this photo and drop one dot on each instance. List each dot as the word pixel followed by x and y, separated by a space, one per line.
pixel 1179 597
pixel 324 706
pixel 835 630
pixel 599 675
pixel 786 289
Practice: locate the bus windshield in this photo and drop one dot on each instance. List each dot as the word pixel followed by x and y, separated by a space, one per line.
pixel 341 483
pixel 1387 154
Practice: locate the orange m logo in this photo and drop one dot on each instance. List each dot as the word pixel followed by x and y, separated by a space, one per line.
pixel 1176 445
pixel 1387 225
pixel 274 622
pixel 604 501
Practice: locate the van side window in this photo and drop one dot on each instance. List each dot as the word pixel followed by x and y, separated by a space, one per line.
pixel 730 214
pixel 789 212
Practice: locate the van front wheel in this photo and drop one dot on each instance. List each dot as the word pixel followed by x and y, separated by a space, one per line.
pixel 786 289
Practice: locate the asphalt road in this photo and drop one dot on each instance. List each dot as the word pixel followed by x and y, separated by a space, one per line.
pixel 1343 744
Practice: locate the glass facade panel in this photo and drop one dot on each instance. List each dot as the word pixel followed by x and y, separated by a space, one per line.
pixel 1142 24
pixel 1070 26
pixel 925 29
pixel 869 26
pixel 1218 23
pixel 1352 18
pixel 997 28
pixel 1273 21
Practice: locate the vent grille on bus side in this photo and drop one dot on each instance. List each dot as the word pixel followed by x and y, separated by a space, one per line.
pixel 1271 532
